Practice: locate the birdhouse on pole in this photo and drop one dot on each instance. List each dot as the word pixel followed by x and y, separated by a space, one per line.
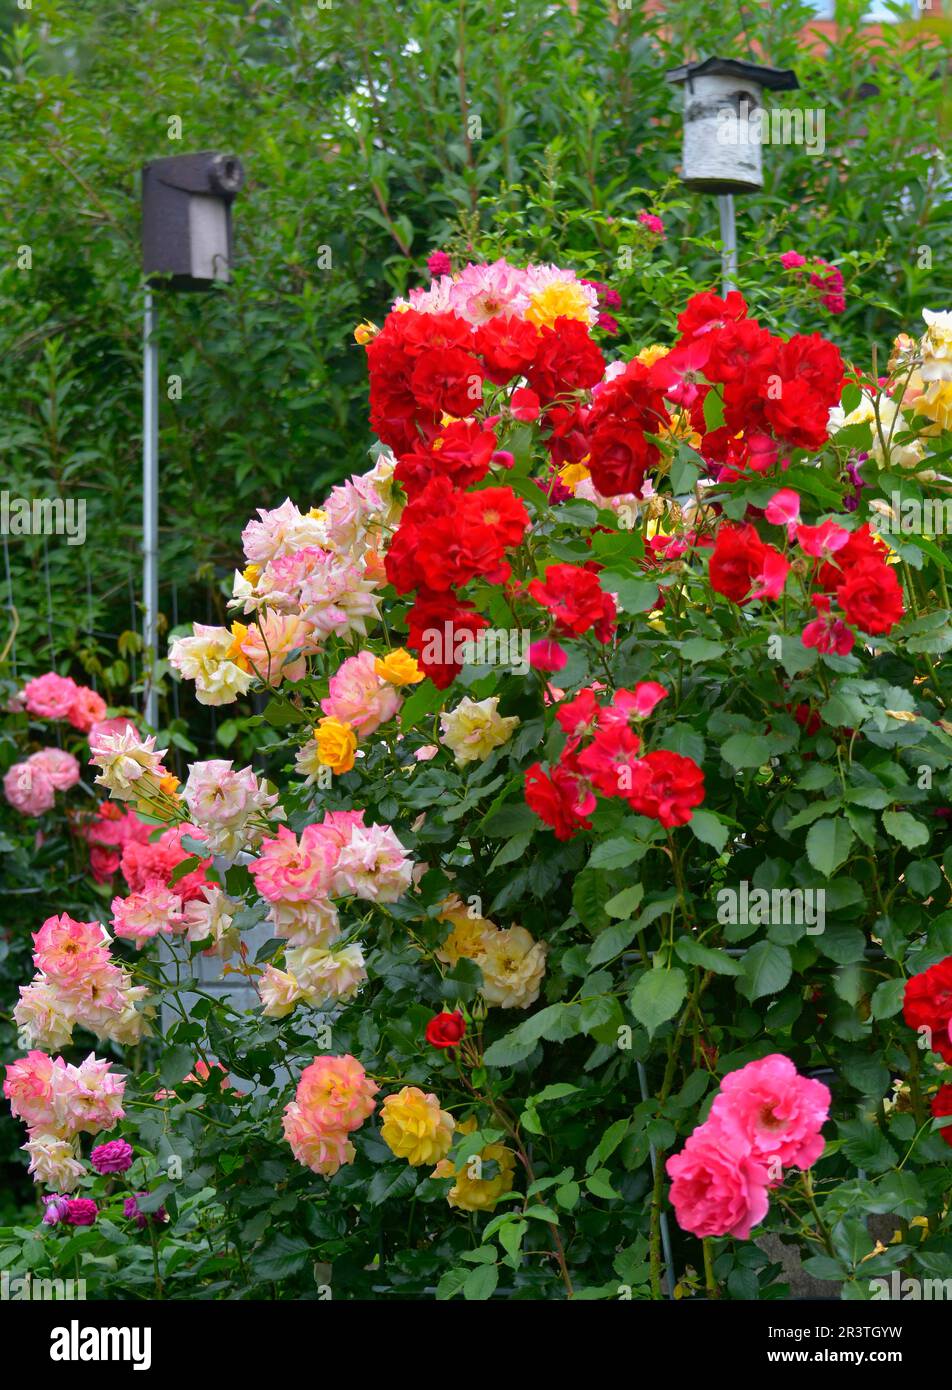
pixel 723 122
pixel 186 219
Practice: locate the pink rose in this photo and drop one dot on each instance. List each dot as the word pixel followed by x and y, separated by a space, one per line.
pixel 60 767
pixel 50 696
pixel 357 696
pixel 28 789
pixel 718 1187
pixel 775 1110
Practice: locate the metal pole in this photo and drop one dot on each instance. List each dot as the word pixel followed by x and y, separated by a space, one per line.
pixel 150 508
pixel 653 1156
pixel 725 208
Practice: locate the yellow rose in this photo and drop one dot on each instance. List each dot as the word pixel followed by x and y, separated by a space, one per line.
pixel 563 299
pixel 234 653
pixel 513 966
pixel 365 332
pixel 472 1191
pixel 414 1127
pixel 650 355
pixel 467 940
pixel 571 474
pixel 474 728
pixel 398 668
pixel 336 744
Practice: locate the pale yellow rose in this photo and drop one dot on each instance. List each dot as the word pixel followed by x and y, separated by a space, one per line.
pixel 474 728
pixel 513 965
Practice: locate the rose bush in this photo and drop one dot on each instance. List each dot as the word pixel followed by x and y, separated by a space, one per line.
pixel 602 855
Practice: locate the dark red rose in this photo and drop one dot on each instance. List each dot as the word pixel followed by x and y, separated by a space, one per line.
pixel 450 380
pixel 446 1030
pixel 737 557
pixel 619 457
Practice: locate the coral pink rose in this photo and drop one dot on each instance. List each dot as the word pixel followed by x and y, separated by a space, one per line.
pixel 718 1188
pixel 87 709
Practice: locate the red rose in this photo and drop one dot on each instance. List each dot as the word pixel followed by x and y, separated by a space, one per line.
pixel 666 787
pixel 871 597
pixel 707 311
pixel 942 1107
pixel 576 600
pixel 500 511
pixel 438 626
pixel 449 380
pixel 461 452
pixel 559 798
pixel 928 1005
pixel 739 350
pixel 862 545
pixel 508 346
pixel 445 1030
pixel 566 360
pixel 737 557
pixel 608 761
pixel 619 457
pixel 81 1211
pixel 524 406
pixel 798 414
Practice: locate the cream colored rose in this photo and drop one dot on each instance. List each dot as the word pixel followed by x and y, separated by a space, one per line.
pixel 936 346
pixel 474 728
pixel 513 964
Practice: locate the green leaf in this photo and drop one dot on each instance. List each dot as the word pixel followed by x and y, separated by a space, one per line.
pixel 707 957
pixel 746 750
pixel 766 970
pixel 481 1283
pixel 183 867
pixel 177 1062
pixel 828 844
pixel 281 1257
pixel 708 829
pixel 905 828
pixel 657 996
pixel 887 998
pixel 624 903
pixel 609 942
pixel 617 853
pixel 698 649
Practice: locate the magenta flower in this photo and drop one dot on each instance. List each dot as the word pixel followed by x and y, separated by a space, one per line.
pixel 439 263
pixel 653 223
pixel 81 1211
pixel 114 1157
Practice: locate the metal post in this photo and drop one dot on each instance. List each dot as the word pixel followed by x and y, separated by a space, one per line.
pixel 653 1157
pixel 150 508
pixel 725 208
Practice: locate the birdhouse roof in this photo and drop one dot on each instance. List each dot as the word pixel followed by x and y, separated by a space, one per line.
pixel 779 79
